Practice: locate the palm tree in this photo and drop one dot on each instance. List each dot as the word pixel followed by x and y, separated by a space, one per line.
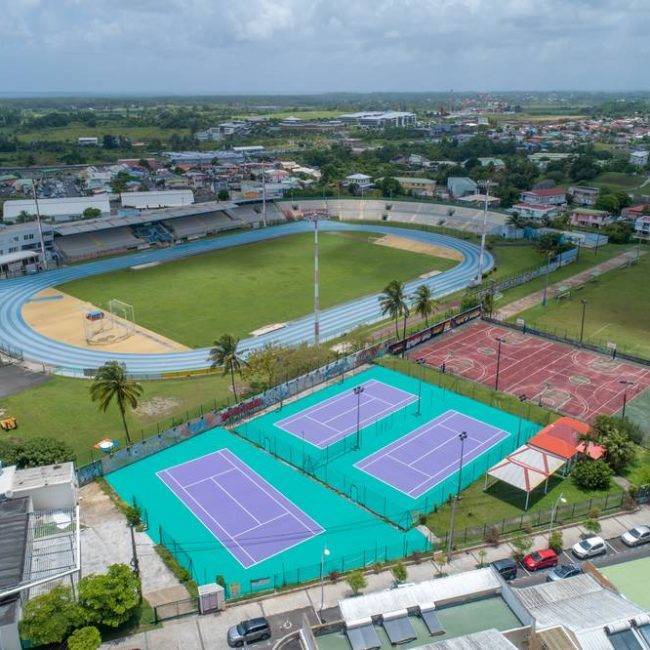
pixel 405 312
pixel 393 301
pixel 112 383
pixel 224 355
pixel 515 220
pixel 423 302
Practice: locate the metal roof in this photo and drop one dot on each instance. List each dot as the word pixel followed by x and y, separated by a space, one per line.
pixel 14 530
pixel 18 256
pixel 526 468
pixel 492 639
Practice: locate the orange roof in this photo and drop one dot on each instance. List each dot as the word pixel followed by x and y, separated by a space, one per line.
pixel 553 445
pixel 562 437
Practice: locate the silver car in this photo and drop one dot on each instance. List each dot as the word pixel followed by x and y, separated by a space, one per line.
pixel 636 536
pixel 254 629
pixel 589 547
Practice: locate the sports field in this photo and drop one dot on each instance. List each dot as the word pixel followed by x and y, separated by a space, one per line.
pixel 389 441
pixel 237 512
pixel 618 309
pixel 568 380
pixel 237 290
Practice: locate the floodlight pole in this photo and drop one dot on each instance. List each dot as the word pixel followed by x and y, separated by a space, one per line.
pixel 626 383
pixel 263 196
pixel 40 225
pixel 316 285
pixel 324 553
pixel 554 512
pixel 499 342
pixel 479 274
pixel 582 322
pixel 548 270
pixel 357 391
pixel 420 363
pixel 461 436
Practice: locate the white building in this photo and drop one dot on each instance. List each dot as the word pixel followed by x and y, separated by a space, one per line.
pixel 63 209
pixel 87 141
pixel 380 119
pixel 24 237
pixel 157 199
pixel 642 226
pixel 639 158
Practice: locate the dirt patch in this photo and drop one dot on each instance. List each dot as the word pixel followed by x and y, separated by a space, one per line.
pixel 59 316
pixel 406 244
pixel 157 407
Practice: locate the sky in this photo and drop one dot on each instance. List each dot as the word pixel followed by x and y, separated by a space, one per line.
pixel 313 46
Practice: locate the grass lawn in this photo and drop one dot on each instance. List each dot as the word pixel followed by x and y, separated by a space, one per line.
pixel 501 501
pixel 239 289
pixel 61 408
pixel 618 309
pixel 587 260
pixel 74 131
pixel 632 184
pixel 511 259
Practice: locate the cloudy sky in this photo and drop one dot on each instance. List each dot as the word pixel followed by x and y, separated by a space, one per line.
pixel 304 46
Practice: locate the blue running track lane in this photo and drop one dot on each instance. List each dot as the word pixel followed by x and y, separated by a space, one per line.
pixel 69 359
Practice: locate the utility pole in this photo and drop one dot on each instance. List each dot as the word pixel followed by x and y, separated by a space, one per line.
pixel 263 196
pixel 135 563
pixel 40 225
pixel 582 322
pixel 357 391
pixel 479 275
pixel 316 285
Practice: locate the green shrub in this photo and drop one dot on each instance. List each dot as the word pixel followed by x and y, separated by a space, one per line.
pixel 399 572
pixel 522 543
pixel 35 452
pixel 85 638
pixel 592 526
pixel 133 515
pixel 592 475
pixel 555 541
pixel 357 581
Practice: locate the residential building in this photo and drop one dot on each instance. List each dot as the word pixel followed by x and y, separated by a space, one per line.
pixel 543 158
pixel 639 158
pixel 417 186
pixel 642 226
pixel 586 196
pixel 550 196
pixel 535 210
pixel 497 163
pixel 61 209
pixel 86 141
pixel 24 237
pixel 362 181
pixel 590 218
pixel 461 186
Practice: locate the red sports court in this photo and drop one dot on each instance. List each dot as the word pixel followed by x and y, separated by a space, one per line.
pixel 572 381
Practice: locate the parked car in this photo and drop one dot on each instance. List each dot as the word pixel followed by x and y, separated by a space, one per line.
pixel 254 629
pixel 507 568
pixel 589 547
pixel 563 571
pixel 540 559
pixel 636 536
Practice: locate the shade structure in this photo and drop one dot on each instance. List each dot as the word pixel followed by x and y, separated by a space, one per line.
pixel 526 468
pixel 563 438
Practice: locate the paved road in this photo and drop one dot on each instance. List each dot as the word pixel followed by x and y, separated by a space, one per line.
pixel 15 332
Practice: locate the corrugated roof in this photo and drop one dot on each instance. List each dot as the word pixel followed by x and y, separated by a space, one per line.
pixel 526 467
pixel 492 639
pixel 14 527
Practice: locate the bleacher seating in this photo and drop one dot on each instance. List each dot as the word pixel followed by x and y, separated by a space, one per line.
pixel 201 225
pixel 100 242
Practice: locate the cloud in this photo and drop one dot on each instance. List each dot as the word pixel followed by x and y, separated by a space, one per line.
pixel 318 45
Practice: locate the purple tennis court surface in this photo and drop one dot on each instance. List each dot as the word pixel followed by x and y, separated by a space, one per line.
pixel 247 515
pixel 336 418
pixel 429 454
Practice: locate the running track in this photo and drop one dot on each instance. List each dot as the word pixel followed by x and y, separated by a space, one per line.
pixel 68 359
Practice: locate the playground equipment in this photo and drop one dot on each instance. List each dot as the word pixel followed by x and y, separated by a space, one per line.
pixel 9 424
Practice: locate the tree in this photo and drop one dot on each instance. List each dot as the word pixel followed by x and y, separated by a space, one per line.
pixel 224 355
pixel 390 186
pixel 592 474
pixel 619 448
pixel 35 452
pixel 50 617
pixel 112 383
pixel 550 243
pixel 555 541
pixel 399 572
pixel 91 213
pixel 521 544
pixel 625 426
pixel 515 220
pixel 265 363
pixel 393 302
pixel 423 302
pixel 85 638
pixel 110 598
pixel 592 526
pixel 357 581
pixel 223 195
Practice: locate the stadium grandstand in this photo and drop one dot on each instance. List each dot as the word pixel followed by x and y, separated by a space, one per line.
pixel 429 214
pixel 201 225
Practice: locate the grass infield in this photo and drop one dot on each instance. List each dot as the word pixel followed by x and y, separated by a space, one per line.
pixel 236 290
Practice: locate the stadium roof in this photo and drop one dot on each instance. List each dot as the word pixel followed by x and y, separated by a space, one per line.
pixel 18 256
pixel 144 216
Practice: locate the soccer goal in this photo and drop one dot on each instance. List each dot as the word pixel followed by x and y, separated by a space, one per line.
pixel 115 324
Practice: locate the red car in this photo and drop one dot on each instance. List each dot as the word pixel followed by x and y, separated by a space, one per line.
pixel 540 560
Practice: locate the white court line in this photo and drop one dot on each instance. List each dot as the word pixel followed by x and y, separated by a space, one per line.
pixel 208 478
pixel 228 536
pixel 234 500
pixel 260 524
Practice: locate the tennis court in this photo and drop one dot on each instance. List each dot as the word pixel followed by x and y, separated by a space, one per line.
pixel 427 456
pixel 243 511
pixel 569 380
pixel 337 417
pixel 406 457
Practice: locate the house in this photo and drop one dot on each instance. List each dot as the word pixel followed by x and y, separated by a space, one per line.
pixel 535 211
pixel 550 196
pixel 642 226
pixel 497 163
pixel 584 195
pixel 361 181
pixel 461 186
pixel 639 158
pixel 417 186
pixel 590 218
pixel 86 141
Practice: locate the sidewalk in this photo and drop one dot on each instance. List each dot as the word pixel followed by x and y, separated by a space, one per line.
pixel 577 280
pixel 209 631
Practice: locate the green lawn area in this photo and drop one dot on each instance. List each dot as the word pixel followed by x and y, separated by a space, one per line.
pixel 61 408
pixel 300 114
pixel 588 259
pixel 501 501
pixel 511 259
pixel 73 131
pixel 632 184
pixel 239 289
pixel 618 309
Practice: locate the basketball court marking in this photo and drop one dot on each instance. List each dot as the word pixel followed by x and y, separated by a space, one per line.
pixel 327 422
pixel 250 518
pixel 428 455
pixel 532 365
